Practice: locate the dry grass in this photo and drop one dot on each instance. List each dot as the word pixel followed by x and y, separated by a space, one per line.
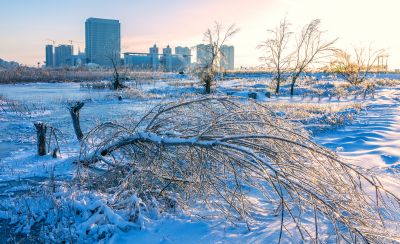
pixel 8 105
pixel 302 111
pixel 27 74
pixel 387 82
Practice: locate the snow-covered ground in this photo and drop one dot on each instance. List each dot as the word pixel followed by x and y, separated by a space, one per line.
pixel 371 140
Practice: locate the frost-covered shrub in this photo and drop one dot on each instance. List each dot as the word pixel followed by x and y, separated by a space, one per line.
pixel 216 151
pixel 317 116
pixel 343 90
pixel 73 215
pixel 387 82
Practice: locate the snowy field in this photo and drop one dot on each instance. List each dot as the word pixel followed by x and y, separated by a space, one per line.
pixel 361 126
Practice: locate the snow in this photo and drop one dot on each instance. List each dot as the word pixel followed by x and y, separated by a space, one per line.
pixel 169 230
pixel 371 140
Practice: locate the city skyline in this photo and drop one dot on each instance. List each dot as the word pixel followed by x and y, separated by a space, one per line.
pixel 183 23
pixel 156 60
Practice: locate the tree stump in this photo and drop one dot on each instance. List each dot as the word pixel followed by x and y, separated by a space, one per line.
pixel 74 111
pixel 41 129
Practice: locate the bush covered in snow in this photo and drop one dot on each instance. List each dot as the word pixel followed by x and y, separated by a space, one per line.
pixel 216 150
pixel 71 214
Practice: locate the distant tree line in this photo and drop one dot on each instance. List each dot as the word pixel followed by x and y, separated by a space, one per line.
pixel 29 74
pixel 289 53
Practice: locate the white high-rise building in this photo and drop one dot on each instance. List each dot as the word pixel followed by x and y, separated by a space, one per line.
pixel 227 57
pixel 185 53
pixel 103 41
pixel 203 54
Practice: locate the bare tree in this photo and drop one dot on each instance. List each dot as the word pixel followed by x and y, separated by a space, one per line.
pixel 310 47
pixel 276 48
pixel 215 149
pixel 354 67
pixel 209 63
pixel 114 58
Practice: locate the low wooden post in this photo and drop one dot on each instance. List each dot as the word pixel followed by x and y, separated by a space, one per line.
pixel 41 129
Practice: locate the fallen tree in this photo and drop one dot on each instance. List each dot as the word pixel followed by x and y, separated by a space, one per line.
pixel 217 150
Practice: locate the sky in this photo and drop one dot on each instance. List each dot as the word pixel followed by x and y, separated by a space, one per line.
pixel 26 26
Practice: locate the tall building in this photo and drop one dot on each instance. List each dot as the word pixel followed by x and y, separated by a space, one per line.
pixel 185 53
pixel 63 56
pixel 166 59
pixel 203 54
pixel 227 57
pixel 167 50
pixel 103 41
pixel 49 56
pixel 153 53
pixel 153 49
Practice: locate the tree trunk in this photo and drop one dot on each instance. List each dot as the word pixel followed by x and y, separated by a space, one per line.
pixel 207 84
pixel 74 111
pixel 41 129
pixel 208 87
pixel 117 84
pixel 292 85
pixel 278 83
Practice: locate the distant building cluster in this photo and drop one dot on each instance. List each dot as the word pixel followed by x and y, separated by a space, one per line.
pixel 63 56
pixel 8 64
pixel 103 48
pixel 165 61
